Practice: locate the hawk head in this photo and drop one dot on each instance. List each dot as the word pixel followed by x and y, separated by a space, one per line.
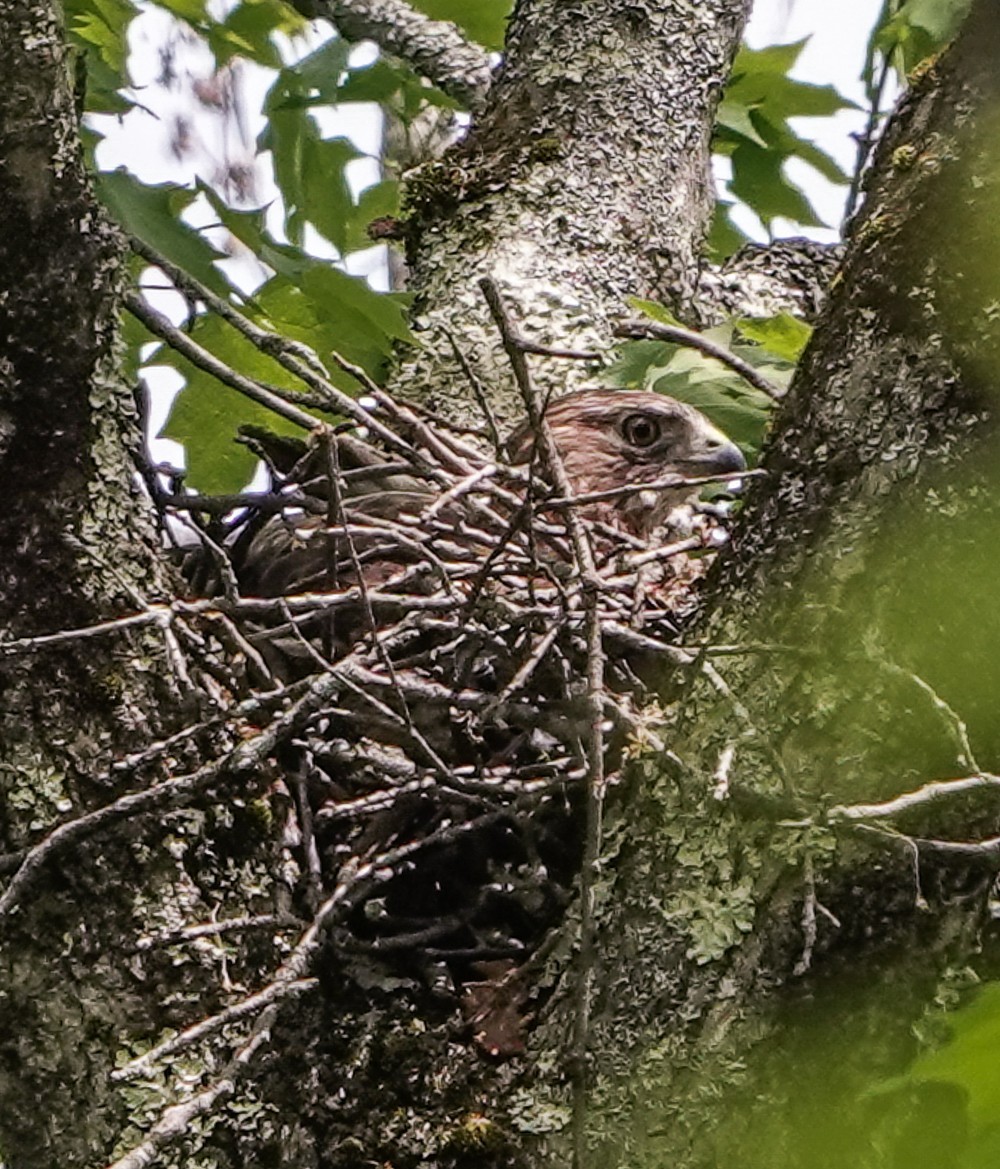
pixel 610 439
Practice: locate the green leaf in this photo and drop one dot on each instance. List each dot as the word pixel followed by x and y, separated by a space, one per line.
pixel 250 228
pixel 739 409
pixel 940 19
pixel 374 202
pixel 735 117
pixel 331 312
pixel 960 1071
pixel 205 414
pixel 652 309
pixel 248 31
pixel 758 179
pixel 908 34
pixel 754 130
pixel 742 417
pixel 724 237
pixel 368 319
pixel 634 361
pixel 310 170
pixel 326 199
pixel 777 59
pixel 153 214
pixel 784 335
pixel 760 78
pixel 327 324
pixel 315 80
pixel 100 29
pixel 378 81
pixel 484 21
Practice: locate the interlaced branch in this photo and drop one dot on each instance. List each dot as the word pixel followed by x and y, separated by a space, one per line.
pixel 443 665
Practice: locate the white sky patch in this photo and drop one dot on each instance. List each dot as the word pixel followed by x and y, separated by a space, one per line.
pixel 834 55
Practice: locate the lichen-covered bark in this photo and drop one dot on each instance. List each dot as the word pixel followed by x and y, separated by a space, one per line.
pixel 858 602
pixel 77 546
pixel 435 48
pixel 586 181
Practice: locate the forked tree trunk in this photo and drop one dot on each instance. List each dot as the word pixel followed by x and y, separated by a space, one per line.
pixel 585 182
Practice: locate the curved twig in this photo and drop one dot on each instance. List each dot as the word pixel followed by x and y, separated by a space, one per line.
pixel 637 328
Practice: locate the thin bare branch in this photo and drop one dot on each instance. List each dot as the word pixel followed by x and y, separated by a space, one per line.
pixel 680 336
pixel 596 779
pixel 928 794
pixel 177 339
pixel 290 978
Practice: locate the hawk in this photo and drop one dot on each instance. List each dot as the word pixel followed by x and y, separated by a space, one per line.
pixel 608 441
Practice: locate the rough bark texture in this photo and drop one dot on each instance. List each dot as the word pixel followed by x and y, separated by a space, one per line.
pixel 586 181
pixel 861 569
pixel 875 473
pixel 434 47
pixel 77 546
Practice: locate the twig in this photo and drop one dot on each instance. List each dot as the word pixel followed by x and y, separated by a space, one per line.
pixel 273 993
pixel 679 336
pixel 584 557
pixel 211 929
pixel 482 400
pixel 534 659
pixel 242 762
pixel 670 483
pixel 22 645
pixel 538 350
pixel 157 323
pixel 922 796
pixel 808 919
pixel 720 788
pixel 865 142
pixel 292 356
pixel 174 1121
pixel 964 756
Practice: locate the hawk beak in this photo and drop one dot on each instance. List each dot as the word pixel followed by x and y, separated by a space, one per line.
pixel 721 458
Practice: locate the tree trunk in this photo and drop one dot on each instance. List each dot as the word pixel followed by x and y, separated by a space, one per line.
pixel 847 660
pixel 857 605
pixel 588 180
pixel 78 547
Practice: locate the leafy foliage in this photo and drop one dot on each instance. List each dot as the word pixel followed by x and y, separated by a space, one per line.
pixel 100 32
pixel 959 1073
pixel 754 131
pixel 910 31
pixel 153 213
pixel 321 209
pixel 772 345
pixel 307 297
pixel 482 20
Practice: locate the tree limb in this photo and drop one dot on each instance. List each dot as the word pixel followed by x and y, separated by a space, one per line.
pixel 435 48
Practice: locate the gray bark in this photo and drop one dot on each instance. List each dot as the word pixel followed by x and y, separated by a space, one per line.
pixel 586 181
pixel 435 48
pixel 77 547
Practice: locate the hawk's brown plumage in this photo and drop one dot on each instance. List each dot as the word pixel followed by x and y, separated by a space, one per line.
pixel 607 439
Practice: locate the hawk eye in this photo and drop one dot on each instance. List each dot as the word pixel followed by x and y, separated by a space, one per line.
pixel 640 430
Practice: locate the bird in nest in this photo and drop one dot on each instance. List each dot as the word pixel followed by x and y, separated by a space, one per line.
pixel 356 516
pixel 609 441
